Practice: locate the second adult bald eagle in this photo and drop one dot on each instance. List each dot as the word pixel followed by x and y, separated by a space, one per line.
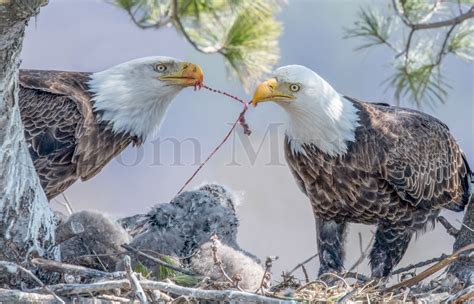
pixel 76 122
pixel 365 163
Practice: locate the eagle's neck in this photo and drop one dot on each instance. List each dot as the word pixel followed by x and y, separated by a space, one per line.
pixel 129 106
pixel 326 120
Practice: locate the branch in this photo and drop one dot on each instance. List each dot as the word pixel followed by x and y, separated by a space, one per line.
pixel 363 253
pixel 74 269
pixel 438 266
pixel 420 264
pixel 158 261
pixel 218 295
pixel 87 289
pixel 266 274
pixel 132 277
pixel 303 263
pixel 177 19
pixel 449 228
pixel 218 263
pixel 453 21
pixel 12 267
pixel 17 296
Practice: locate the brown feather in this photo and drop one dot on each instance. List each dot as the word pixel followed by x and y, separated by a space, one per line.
pixel 66 139
pixel 403 163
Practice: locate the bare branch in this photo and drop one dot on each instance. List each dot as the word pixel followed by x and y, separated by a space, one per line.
pixel 132 277
pixel 158 261
pixel 420 264
pixel 74 269
pixel 67 204
pixel 438 266
pixel 303 263
pixel 363 253
pixel 17 296
pixel 266 274
pixel 218 295
pixel 449 228
pixel 9 266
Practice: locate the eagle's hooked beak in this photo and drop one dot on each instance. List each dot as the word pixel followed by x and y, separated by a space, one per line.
pixel 189 74
pixel 268 90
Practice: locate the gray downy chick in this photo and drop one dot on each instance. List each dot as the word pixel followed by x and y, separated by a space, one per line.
pixel 91 233
pixel 187 222
pixel 234 262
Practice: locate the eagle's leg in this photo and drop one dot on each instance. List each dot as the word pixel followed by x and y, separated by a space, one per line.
pixel 391 242
pixel 330 240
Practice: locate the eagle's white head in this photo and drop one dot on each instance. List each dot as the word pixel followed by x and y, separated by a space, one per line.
pixel 134 96
pixel 317 113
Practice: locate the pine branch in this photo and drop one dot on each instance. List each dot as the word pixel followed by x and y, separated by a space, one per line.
pixel 418 73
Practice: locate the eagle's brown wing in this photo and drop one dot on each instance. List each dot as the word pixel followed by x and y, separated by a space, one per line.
pixel 64 138
pixel 422 162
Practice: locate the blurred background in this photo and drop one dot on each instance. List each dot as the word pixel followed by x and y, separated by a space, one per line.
pixel 275 218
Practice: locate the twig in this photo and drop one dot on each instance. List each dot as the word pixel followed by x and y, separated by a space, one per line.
pixel 217 295
pixel 462 296
pixel 12 267
pixel 442 51
pixel 158 261
pixel 218 263
pixel 137 288
pixel 240 119
pixel 456 20
pixel 331 274
pixel 266 274
pixel 357 276
pixel 87 289
pixel 449 228
pixel 74 269
pixel 67 204
pixel 306 277
pixel 363 253
pixel 303 263
pixel 466 226
pixel 438 266
pixel 113 299
pixel 177 19
pixel 17 296
pixel 159 297
pixel 420 264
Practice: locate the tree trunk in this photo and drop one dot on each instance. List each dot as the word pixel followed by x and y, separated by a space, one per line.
pixel 463 269
pixel 26 221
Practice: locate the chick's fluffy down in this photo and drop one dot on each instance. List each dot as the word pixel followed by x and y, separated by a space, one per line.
pixel 91 233
pixel 233 261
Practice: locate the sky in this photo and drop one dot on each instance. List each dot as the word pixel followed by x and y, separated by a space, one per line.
pixel 275 218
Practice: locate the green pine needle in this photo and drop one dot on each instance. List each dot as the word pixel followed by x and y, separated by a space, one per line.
pixel 418 83
pixel 187 280
pixel 462 42
pixel 163 272
pixel 251 43
pixel 142 269
pixel 372 26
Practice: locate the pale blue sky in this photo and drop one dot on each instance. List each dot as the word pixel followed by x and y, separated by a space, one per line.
pixel 275 217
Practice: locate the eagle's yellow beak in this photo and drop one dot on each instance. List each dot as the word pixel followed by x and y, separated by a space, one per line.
pixel 268 90
pixel 189 74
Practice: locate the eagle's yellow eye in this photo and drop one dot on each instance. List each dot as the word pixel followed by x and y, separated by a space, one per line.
pixel 295 87
pixel 160 67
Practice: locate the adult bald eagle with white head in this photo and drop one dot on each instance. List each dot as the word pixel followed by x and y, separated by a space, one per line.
pixel 76 122
pixel 368 163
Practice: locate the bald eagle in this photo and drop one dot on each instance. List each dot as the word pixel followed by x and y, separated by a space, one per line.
pixel 368 163
pixel 76 122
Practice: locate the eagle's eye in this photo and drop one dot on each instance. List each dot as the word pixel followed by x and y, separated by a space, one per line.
pixel 295 87
pixel 160 67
